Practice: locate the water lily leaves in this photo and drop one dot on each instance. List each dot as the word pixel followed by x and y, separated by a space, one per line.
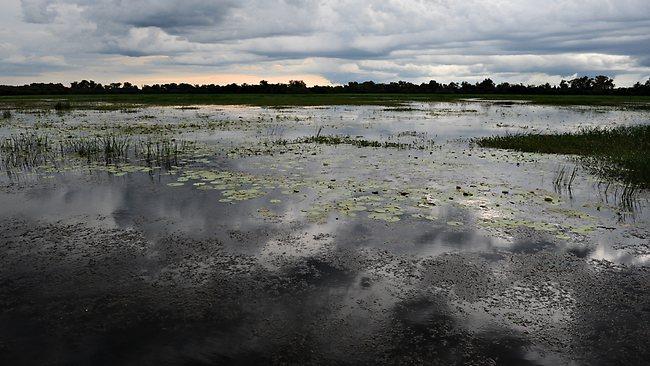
pixel 176 184
pixel 384 216
pixel 350 207
pixel 319 213
pixel 243 194
pixel 424 217
pixel 583 230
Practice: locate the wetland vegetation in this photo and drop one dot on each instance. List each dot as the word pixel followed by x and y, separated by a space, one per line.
pixel 618 153
pixel 129 101
pixel 383 218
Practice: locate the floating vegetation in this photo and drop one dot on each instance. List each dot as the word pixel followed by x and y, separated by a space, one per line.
pixel 347 140
pixel 442 112
pixel 338 140
pixel 401 109
pixel 241 194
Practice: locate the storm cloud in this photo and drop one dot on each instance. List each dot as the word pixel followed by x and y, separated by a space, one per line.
pixel 336 40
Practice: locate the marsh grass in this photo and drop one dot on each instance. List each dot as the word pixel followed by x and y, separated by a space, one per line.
pixel 163 152
pixel 358 142
pixel 25 151
pixel 62 105
pixel 110 149
pixel 619 153
pixel 346 140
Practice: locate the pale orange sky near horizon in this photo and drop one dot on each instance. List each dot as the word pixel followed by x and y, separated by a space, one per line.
pixel 221 79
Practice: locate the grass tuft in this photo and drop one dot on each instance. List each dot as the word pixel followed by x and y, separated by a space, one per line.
pixel 62 105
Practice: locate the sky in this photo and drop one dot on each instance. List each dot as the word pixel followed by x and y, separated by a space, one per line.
pixel 323 41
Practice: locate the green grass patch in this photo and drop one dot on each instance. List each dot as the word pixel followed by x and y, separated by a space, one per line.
pixel 621 153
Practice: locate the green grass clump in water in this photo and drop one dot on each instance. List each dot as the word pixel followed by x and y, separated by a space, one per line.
pixel 63 105
pixel 344 140
pixel 110 148
pixel 621 153
pixel 25 150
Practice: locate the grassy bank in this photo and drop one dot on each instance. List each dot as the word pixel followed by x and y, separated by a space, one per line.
pixel 120 101
pixel 621 153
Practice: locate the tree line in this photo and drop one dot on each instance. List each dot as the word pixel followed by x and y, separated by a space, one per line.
pixel 599 85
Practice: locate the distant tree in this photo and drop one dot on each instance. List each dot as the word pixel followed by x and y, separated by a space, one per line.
pixel 584 83
pixel 129 88
pixel 602 82
pixel 486 85
pixel 466 87
pixel 297 86
pixel 580 85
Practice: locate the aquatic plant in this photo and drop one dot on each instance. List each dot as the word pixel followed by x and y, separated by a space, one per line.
pixel 564 179
pixel 62 105
pixel 110 149
pixel 6 114
pixel 25 150
pixel 161 151
pixel 346 140
pixel 617 153
pixel 31 150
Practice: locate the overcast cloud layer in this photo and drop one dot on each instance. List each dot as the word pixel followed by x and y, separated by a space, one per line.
pixel 323 41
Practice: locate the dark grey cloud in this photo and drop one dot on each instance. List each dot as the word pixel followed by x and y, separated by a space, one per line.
pixel 164 14
pixel 515 40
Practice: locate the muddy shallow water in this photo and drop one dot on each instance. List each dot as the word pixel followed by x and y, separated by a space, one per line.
pixel 253 247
